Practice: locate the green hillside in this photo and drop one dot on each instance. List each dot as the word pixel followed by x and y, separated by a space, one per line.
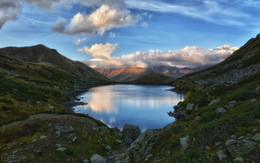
pixel 219 121
pixel 28 86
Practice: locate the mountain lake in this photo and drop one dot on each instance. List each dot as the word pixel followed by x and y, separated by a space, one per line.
pixel 141 105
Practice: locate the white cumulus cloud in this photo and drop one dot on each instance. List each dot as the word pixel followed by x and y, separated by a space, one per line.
pixel 100 51
pixel 101 20
pixel 190 56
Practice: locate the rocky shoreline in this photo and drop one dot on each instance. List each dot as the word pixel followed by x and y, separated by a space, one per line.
pixel 68 106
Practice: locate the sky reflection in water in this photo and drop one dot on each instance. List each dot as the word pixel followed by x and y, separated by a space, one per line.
pixel 116 105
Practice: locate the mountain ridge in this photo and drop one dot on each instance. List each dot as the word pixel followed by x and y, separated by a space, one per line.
pixel 132 73
pixel 42 54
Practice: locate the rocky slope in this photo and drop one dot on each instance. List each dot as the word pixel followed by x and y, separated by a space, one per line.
pixel 219 121
pixel 58 138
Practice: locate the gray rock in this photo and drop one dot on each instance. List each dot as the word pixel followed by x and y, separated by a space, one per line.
pixel 12 161
pixel 74 139
pixel 197 118
pixel 218 143
pixel 142 147
pixel 189 107
pixel 220 110
pixel 178 106
pixel 108 147
pixel 214 101
pixel 63 129
pixel 61 149
pixel 239 148
pixel 256 137
pixel 43 137
pixel 241 137
pixel 184 142
pixel 179 114
pixel 232 102
pixel 130 133
pixel 58 145
pixel 97 159
pixel 221 155
pixel 38 151
pixel 257 88
pixel 233 136
pixel 86 161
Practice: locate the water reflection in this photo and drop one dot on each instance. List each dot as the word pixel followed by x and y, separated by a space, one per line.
pixel 145 106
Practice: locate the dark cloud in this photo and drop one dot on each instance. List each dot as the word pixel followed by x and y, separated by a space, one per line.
pixel 9 10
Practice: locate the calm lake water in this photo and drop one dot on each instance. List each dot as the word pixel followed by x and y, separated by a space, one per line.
pixel 144 106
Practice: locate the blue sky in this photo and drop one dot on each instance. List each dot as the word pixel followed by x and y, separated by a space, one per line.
pixel 187 32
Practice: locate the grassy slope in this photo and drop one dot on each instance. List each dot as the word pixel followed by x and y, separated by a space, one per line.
pixel 29 88
pixel 241 119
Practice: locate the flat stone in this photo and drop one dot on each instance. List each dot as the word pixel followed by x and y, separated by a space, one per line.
pixel 197 118
pixel 108 147
pixel 220 110
pixel 214 101
pixel 256 137
pixel 58 145
pixel 232 102
pixel 189 107
pixel 61 149
pixel 86 161
pixel 63 129
pixel 43 137
pixel 74 139
pixel 97 159
pixel 233 136
pixel 239 148
pixel 221 155
pixel 184 142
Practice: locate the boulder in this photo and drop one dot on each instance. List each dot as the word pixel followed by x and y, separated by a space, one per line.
pixel 214 101
pixel 86 161
pixel 239 148
pixel 63 129
pixel 189 107
pixel 221 155
pixel 130 133
pixel 97 159
pixel 184 142
pixel 108 147
pixel 142 147
pixel 178 106
pixel 256 137
pixel 220 110
pixel 179 114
